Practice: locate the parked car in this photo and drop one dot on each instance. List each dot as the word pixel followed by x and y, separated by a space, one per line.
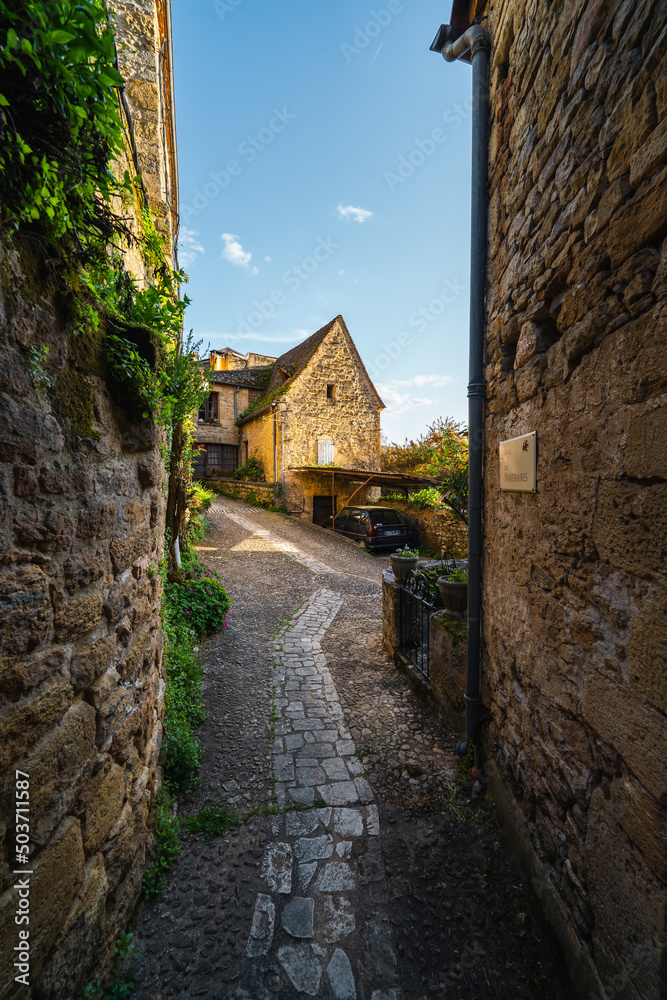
pixel 373 527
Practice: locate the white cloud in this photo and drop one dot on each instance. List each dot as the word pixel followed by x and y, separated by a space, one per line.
pixel 188 246
pixel 355 214
pixel 422 380
pixel 400 402
pixel 235 254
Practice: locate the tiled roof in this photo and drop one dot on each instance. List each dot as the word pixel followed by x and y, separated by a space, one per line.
pixel 251 378
pixel 295 360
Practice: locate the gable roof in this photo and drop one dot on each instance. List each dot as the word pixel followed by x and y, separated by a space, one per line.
pixel 290 364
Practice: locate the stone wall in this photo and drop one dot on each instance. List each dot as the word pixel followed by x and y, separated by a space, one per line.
pixel 267 494
pixel 574 575
pixel 144 60
pixel 225 430
pixel 81 680
pixel 438 529
pixel 82 528
pixel 351 419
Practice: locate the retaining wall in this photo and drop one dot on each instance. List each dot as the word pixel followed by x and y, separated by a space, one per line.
pixel 81 678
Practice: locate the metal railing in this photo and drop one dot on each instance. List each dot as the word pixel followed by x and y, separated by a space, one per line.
pixel 414 619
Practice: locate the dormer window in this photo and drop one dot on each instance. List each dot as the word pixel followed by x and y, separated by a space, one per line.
pixel 331 391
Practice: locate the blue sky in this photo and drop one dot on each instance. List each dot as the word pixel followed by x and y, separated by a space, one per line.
pixel 324 158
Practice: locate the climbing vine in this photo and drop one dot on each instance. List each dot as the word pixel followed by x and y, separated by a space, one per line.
pixel 62 146
pixel 60 124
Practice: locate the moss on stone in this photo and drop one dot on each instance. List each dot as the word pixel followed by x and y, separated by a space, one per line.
pixel 262 401
pixel 74 399
pixel 86 348
pixel 458 630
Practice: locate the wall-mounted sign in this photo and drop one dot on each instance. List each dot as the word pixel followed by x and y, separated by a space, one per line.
pixel 518 463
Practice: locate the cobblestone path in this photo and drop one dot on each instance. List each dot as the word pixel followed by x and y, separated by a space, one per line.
pixel 381 883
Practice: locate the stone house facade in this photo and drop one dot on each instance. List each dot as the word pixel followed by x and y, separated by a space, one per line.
pixel 314 406
pixel 81 533
pixel 574 606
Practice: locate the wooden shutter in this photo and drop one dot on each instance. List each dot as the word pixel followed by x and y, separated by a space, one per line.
pixel 325 452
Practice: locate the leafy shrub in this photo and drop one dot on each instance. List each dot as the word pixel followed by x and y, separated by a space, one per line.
pixel 251 469
pixel 121 984
pixel 184 706
pixel 196 607
pixel 201 600
pixel 430 498
pixel 183 753
pixel 201 497
pixel 166 846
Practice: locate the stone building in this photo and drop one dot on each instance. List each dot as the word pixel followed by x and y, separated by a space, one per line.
pixel 314 406
pixel 82 530
pixel 574 606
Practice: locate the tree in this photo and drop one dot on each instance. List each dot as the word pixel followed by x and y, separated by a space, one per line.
pixel 186 388
pixel 441 454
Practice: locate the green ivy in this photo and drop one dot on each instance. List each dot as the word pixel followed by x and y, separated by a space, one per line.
pixel 60 125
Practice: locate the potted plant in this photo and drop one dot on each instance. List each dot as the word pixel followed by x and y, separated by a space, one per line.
pixel 403 562
pixel 454 590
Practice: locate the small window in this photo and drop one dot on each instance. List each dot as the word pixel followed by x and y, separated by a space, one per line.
pixel 331 392
pixel 209 411
pixel 325 452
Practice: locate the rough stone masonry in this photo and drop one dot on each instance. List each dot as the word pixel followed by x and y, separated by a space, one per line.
pixel 574 575
pixel 81 533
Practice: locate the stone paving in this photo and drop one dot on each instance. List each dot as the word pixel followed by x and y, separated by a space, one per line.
pixel 324 916
pixel 296 905
pixel 274 541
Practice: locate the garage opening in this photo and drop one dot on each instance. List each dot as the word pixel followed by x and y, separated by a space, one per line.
pixel 323 507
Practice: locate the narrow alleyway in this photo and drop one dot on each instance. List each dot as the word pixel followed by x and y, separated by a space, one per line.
pixel 386 882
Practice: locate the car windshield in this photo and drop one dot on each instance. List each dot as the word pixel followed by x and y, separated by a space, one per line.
pixel 382 517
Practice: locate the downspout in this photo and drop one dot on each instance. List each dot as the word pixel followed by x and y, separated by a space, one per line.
pixel 282 455
pixel 275 442
pixel 473 45
pixel 236 408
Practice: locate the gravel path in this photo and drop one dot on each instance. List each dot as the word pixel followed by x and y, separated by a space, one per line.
pixel 325 902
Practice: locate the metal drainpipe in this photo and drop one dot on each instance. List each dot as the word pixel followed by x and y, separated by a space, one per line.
pixel 236 408
pixel 473 46
pixel 275 442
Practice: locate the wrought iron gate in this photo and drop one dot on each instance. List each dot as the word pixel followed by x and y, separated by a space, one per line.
pixel 414 625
